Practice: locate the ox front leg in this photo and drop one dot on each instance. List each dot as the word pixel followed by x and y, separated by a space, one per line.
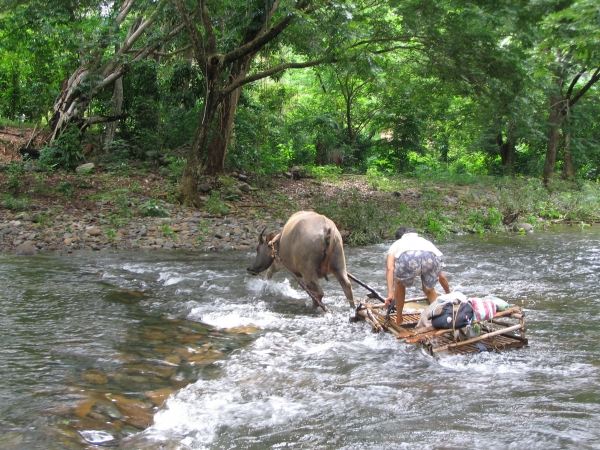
pixel 314 288
pixel 273 269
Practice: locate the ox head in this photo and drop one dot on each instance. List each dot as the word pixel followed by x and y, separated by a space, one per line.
pixel 264 255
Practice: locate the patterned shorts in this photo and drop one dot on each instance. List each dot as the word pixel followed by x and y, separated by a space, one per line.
pixel 416 262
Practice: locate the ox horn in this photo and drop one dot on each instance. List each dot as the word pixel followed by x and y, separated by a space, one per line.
pixel 260 238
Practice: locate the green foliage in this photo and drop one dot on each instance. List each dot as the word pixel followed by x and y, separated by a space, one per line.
pixel 329 172
pixel 174 169
pixel 215 205
pixel 367 220
pixel 66 187
pixel 15 204
pixel 152 208
pixel 42 220
pixel 14 180
pixel 470 76
pixel 111 234
pixel 167 231
pixel 65 152
pixel 117 157
pixel 141 102
pixel 483 220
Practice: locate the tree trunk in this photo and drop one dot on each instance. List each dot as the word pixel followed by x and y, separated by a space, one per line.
pixel 554 123
pixel 568 172
pixel 321 153
pixel 213 131
pixel 117 105
pixel 193 170
pixel 351 135
pixel 70 105
pixel 215 160
pixel 507 153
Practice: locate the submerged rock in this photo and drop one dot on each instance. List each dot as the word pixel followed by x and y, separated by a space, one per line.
pixel 522 226
pixel 26 249
pixel 95 376
pixel 97 437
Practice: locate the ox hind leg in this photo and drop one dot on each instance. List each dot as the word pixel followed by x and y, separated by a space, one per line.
pixel 342 277
pixel 338 268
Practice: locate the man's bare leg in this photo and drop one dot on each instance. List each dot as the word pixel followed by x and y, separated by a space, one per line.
pixel 431 294
pixel 399 296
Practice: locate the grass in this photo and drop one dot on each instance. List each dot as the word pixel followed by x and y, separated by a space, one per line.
pixel 476 205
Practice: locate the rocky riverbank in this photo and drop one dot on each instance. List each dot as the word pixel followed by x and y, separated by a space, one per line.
pixel 99 211
pixel 185 229
pixel 102 212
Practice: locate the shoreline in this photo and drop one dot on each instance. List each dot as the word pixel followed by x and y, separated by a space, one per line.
pixel 184 230
pixel 100 212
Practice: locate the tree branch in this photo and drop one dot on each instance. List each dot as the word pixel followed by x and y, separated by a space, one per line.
pixel 207 24
pixel 173 53
pixel 101 119
pixel 573 83
pixel 257 43
pixel 123 11
pixel 195 36
pixel 267 73
pixel 594 78
pixel 143 27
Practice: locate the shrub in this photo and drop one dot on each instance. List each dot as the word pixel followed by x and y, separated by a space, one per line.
pixel 65 152
pixel 152 209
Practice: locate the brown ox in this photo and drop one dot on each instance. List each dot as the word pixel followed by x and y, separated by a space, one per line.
pixel 310 247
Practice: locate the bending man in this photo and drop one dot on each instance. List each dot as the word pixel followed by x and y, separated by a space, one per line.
pixel 409 256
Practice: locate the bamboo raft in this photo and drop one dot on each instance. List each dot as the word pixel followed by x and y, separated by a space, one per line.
pixel 506 330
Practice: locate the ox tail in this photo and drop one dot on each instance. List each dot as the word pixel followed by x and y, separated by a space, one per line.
pixel 325 266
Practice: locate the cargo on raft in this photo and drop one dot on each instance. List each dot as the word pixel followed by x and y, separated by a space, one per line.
pixel 504 331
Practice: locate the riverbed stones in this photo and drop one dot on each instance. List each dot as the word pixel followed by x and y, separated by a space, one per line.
pixel 72 230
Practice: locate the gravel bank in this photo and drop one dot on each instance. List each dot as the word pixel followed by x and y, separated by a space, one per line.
pixel 185 229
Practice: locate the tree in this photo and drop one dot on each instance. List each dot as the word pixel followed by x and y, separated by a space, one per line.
pixel 106 56
pixel 225 59
pixel 571 45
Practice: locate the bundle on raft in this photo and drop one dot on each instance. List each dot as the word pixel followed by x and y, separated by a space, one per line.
pixel 504 331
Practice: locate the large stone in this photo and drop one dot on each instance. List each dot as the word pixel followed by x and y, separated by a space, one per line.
pixel 523 227
pixel 26 249
pixel 93 231
pixel 85 168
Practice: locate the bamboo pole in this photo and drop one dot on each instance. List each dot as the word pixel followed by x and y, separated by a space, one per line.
pixel 478 338
pixel 381 305
pixel 376 323
pixel 426 332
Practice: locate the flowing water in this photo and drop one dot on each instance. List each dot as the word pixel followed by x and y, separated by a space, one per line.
pixel 186 351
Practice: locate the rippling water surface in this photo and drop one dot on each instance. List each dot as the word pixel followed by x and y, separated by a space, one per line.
pixel 196 354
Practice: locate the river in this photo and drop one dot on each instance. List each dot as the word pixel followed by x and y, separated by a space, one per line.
pixel 175 350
